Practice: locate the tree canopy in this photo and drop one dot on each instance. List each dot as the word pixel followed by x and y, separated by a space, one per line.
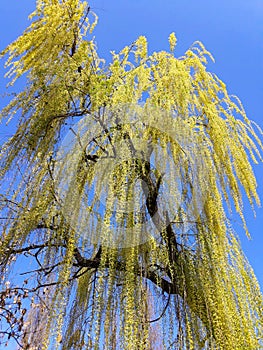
pixel 116 192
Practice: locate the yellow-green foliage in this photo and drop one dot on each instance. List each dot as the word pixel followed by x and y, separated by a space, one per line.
pixel 217 304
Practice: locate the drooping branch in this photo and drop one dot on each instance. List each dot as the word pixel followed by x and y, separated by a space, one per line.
pixel 67 82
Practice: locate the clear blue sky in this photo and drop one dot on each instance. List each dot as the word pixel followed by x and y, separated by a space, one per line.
pixel 232 30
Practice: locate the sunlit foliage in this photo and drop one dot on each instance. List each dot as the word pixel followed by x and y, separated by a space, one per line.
pixel 179 288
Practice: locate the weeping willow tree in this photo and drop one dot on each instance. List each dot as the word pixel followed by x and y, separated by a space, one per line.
pixel 117 188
